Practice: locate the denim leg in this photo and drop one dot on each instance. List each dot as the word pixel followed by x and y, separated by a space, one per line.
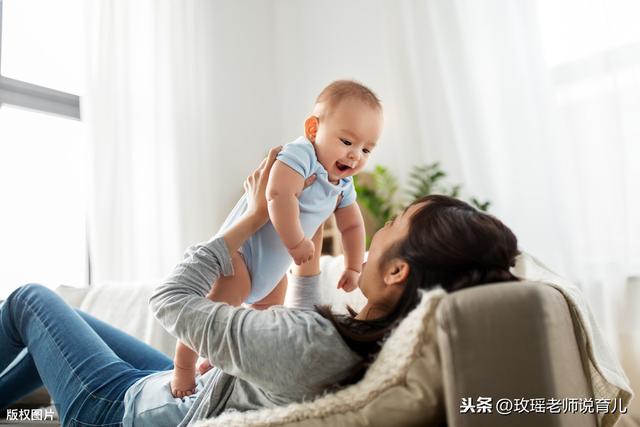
pixel 23 378
pixel 85 377
pixel 20 379
pixel 128 348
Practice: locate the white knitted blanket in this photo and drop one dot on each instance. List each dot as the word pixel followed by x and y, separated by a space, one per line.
pixel 388 370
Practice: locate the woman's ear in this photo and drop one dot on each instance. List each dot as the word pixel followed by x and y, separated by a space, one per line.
pixel 311 128
pixel 396 272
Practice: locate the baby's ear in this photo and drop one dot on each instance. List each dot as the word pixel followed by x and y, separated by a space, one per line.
pixel 311 128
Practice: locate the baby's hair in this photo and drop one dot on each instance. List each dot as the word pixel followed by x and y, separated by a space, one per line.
pixel 340 90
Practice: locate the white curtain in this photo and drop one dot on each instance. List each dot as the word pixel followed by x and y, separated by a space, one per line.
pixel 186 97
pixel 549 134
pixel 175 108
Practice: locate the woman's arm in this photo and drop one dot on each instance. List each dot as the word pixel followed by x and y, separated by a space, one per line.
pixel 287 352
pixel 203 263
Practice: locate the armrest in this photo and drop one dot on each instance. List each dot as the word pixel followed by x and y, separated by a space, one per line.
pixel 510 340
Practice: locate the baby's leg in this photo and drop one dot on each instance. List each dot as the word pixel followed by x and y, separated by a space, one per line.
pixel 275 297
pixel 232 290
pixel 310 268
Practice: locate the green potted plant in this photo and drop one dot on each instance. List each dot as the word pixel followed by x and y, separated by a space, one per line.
pixel 380 198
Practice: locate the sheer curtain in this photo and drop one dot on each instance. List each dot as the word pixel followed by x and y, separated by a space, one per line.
pixel 174 116
pixel 538 104
pixel 594 68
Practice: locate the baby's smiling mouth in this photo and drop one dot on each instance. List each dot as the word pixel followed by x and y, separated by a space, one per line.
pixel 342 167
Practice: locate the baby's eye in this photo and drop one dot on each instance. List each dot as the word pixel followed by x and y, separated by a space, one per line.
pixel 366 150
pixel 345 142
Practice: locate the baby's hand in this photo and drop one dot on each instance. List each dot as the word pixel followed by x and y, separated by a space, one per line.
pixel 303 252
pixel 349 280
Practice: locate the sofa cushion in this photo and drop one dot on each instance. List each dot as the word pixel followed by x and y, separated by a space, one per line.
pixel 402 387
pixel 125 306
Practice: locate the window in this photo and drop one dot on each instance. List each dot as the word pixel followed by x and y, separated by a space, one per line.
pixel 592 48
pixel 42 150
pixel 574 30
pixel 592 51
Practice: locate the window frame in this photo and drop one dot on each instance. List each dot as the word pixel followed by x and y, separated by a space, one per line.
pixel 34 97
pixel 42 99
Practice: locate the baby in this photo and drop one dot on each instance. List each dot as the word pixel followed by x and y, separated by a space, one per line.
pixel 341 132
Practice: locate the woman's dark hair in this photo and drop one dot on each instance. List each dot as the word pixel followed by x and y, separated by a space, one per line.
pixel 449 244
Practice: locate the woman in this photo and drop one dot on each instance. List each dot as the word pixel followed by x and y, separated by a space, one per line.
pixel 100 376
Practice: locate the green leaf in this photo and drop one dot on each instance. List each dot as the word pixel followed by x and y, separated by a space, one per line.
pixel 381 198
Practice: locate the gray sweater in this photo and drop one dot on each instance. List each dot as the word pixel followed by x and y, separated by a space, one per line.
pixel 265 358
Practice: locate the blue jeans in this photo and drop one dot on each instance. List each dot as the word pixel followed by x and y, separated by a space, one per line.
pixel 85 364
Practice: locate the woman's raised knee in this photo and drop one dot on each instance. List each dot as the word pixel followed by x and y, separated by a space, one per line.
pixel 14 307
pixel 31 290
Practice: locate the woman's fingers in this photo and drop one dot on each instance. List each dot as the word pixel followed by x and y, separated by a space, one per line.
pixel 273 153
pixel 266 163
pixel 271 157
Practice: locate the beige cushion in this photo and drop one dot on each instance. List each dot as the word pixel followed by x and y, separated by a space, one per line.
pixel 402 387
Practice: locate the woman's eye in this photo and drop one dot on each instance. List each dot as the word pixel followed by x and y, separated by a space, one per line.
pixel 345 142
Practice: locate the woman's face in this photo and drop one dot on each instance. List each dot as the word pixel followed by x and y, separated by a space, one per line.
pixel 394 231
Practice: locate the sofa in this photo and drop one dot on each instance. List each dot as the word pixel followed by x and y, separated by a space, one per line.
pixel 513 340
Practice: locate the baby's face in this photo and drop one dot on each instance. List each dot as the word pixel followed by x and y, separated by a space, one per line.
pixel 346 136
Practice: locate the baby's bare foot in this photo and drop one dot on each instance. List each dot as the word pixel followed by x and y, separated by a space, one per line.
pixel 183 382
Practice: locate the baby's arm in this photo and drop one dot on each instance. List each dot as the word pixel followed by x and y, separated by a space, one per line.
pixel 283 189
pixel 351 225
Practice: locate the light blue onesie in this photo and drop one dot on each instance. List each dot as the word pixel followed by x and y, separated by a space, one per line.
pixel 264 253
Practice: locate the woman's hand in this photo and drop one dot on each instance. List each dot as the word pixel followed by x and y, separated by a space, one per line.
pixel 257 213
pixel 256 185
